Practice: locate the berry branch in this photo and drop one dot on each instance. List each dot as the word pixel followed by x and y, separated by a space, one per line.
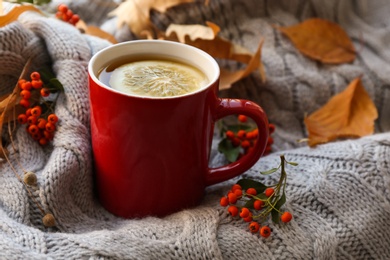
pixel 252 200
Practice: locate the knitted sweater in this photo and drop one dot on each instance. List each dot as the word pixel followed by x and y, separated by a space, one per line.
pixel 339 193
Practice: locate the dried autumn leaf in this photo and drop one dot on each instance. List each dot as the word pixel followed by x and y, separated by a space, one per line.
pixel 350 113
pixel 206 38
pixel 95 31
pixel 136 13
pixel 321 40
pixel 13 15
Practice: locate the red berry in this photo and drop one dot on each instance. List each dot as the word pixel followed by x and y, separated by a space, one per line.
pixel 33 129
pixel 24 102
pixel 254 227
pixel 270 140
pixel 26 85
pixel 236 186
pixel 45 92
pixel 233 210
pixel 244 213
pixel 50 127
pixel 52 118
pixel 69 13
pixel 36 111
pixel 22 118
pixel 48 135
pixel 43 141
pixel 229 134
pixel 42 123
pixel 245 144
pixel 62 8
pixel 32 120
pixel 286 217
pixel 241 134
pixel 238 192
pixel 224 202
pixel 35 75
pixel 249 218
pixel 265 231
pixel 242 118
pixel 258 204
pixel 236 142
pixel 269 191
pixel 37 84
pixel 74 19
pixel 271 128
pixel 251 191
pixel 25 94
pixel 21 81
pixel 232 198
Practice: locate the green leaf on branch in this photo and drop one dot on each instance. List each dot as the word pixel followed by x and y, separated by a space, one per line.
pixel 226 147
pixel 270 171
pixel 276 210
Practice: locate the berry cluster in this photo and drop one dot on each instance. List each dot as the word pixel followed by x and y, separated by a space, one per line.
pixel 248 138
pixel 254 202
pixel 67 15
pixel 240 139
pixel 41 124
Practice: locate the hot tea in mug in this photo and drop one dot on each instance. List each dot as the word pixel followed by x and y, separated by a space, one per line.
pixel 153 108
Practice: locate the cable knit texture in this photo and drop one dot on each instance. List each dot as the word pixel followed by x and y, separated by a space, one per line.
pixel 339 193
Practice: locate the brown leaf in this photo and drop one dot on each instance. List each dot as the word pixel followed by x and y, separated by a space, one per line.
pixel 13 15
pixel 95 31
pixel 206 38
pixel 350 113
pixel 136 13
pixel 321 40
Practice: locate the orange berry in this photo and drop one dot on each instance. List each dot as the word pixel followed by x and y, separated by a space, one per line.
pixel 50 127
pixel 251 191
pixel 254 227
pixel 25 94
pixel 43 141
pixel 232 198
pixel 24 102
pixel 36 136
pixel 48 135
pixel 21 81
pixel 26 85
pixel 69 13
pixel 249 218
pixel 45 92
pixel 241 134
pixel 258 204
pixel 35 75
pixel 33 129
pixel 36 83
pixel 245 144
pixel 22 118
pixel 244 213
pixel 229 134
pixel 224 202
pixel 235 187
pixel 53 118
pixel 32 120
pixel 286 217
pixel 265 231
pixel 250 135
pixel 62 8
pixel 236 142
pixel 269 191
pixel 28 112
pixel 59 15
pixel 233 210
pixel 42 123
pixel 238 192
pixel 65 17
pixel 36 111
pixel 242 118
pixel 74 19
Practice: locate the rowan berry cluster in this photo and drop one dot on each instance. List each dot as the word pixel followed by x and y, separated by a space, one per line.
pixel 41 122
pixel 254 202
pixel 240 139
pixel 66 14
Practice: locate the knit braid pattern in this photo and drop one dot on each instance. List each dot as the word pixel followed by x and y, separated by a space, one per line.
pixel 339 193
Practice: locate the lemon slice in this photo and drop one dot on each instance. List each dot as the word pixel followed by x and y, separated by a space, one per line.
pixel 157 78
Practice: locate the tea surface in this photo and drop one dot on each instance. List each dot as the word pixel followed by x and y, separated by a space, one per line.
pixel 154 78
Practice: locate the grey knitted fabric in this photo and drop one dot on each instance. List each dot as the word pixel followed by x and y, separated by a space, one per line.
pixel 339 193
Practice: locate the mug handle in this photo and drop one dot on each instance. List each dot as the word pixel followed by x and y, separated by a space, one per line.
pixel 225 107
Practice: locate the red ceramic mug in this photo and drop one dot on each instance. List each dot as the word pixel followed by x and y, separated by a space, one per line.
pixel 151 155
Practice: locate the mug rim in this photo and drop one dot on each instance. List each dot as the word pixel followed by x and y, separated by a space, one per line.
pixel 213 63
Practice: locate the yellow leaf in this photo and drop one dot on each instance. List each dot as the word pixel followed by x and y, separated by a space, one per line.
pixel 206 38
pixel 13 15
pixel 350 113
pixel 95 31
pixel 136 13
pixel 321 40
